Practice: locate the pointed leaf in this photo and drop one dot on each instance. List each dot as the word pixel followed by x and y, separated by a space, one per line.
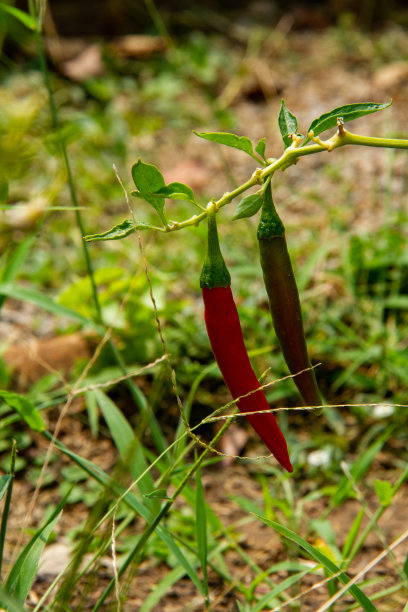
pixel 260 148
pixel 148 179
pixel 23 17
pixel 230 140
pixel 29 568
pixel 22 574
pixel 287 124
pixel 24 408
pixel 121 230
pixel 248 206
pixel 348 112
pixel 176 191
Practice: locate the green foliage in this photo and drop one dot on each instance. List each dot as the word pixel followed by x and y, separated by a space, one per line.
pixel 24 408
pixel 287 124
pixel 149 180
pixel 355 289
pixel 248 206
pixel 349 112
pixel 242 143
pixel 323 560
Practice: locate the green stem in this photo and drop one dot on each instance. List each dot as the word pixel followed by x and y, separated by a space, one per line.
pixel 372 141
pixel 290 157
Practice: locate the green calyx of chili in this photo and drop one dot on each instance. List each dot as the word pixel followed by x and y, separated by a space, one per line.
pixel 214 272
pixel 270 224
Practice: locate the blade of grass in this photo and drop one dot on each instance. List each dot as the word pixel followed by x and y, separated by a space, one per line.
pixel 128 446
pixel 266 600
pixel 376 517
pixel 11 604
pixel 324 561
pixel 352 534
pixel 201 531
pixel 14 262
pixel 161 589
pixel 358 469
pixel 4 483
pixel 7 501
pixel 360 574
pixel 26 294
pixel 25 568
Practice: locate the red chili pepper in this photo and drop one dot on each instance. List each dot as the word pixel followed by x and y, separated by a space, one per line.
pixel 227 343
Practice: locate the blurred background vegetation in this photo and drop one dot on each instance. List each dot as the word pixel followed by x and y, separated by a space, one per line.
pixel 134 79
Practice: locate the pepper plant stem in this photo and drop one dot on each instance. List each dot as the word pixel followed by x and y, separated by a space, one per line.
pixel 290 157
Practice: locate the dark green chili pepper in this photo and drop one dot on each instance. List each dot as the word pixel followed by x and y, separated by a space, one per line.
pixel 284 300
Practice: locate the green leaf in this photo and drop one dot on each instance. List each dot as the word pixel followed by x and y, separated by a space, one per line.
pixel 161 588
pixel 352 534
pixel 30 295
pixel 25 568
pixel 230 140
pixel 280 587
pixel 24 408
pixel 127 444
pixel 148 179
pixel 176 191
pixel 10 603
pixel 348 112
pixel 92 411
pixel 287 124
pixel 157 494
pixel 384 492
pixel 121 230
pixel 23 17
pixel 15 261
pixel 4 483
pixel 318 556
pixel 260 148
pixel 248 206
pixel 201 527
